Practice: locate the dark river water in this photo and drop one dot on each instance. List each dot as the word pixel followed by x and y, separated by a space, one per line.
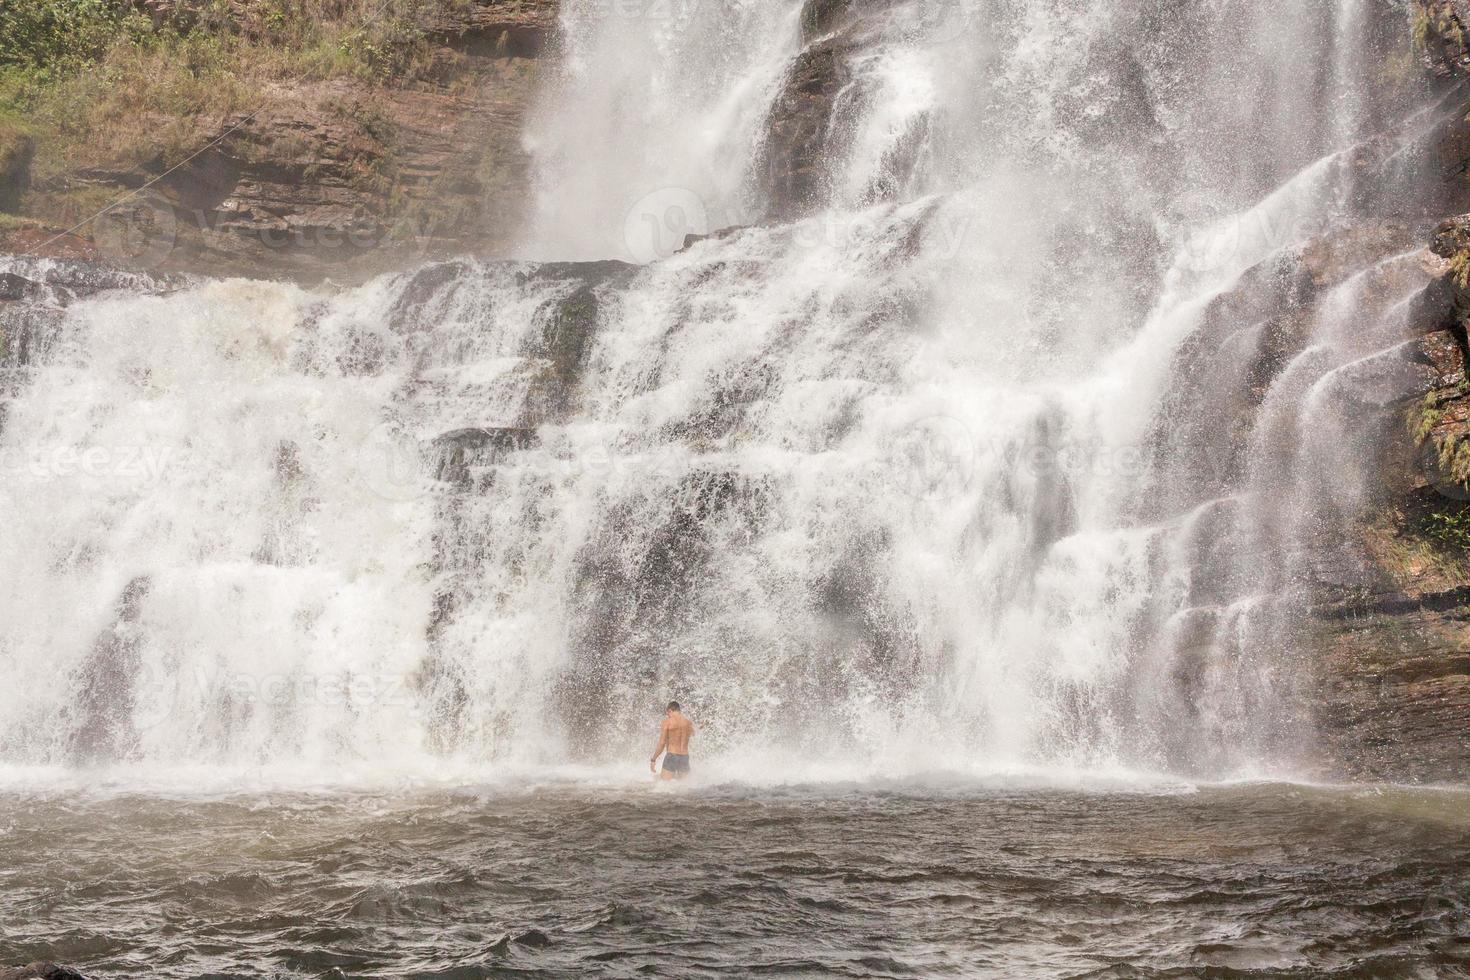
pixel 1253 881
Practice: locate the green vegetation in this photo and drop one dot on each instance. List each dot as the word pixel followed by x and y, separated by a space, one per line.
pixel 51 39
pixel 102 86
pixel 1441 23
pixel 1421 28
pixel 1433 536
pixel 1460 268
pixel 1452 450
pixel 1454 460
pixel 1423 418
pixel 1450 528
pixel 1419 542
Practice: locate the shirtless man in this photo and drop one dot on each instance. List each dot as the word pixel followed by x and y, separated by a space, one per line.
pixel 673 735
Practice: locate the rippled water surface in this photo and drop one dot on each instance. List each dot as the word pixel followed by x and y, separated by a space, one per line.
pixel 1262 881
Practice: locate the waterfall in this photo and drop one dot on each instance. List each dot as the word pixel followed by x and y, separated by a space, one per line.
pixel 930 454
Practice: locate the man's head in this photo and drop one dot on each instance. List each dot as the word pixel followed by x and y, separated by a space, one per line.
pixel 672 709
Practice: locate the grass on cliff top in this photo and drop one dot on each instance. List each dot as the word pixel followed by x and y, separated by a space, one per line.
pixel 101 86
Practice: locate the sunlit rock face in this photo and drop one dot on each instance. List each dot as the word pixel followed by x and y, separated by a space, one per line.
pixel 982 385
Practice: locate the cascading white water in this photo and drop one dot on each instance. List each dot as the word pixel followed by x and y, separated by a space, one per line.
pixel 880 485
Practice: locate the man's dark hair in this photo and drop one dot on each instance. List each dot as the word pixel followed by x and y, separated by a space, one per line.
pixel 673 705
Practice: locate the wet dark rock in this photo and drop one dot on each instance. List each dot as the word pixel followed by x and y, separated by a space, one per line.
pixel 14 288
pixel 428 284
pixel 865 629
pixel 811 122
pixel 569 334
pixel 530 939
pixel 65 280
pixel 106 681
pixel 1252 332
pixel 1409 370
pixel 1452 237
pixel 456 452
pixel 802 135
pixel 822 17
pixel 601 272
pixel 1443 354
pixel 1116 103
pixel 568 328
pixel 441 683
pixel 287 464
pixel 632 598
pixel 718 235
pixel 1396 683
pixel 40 971
pixel 494 28
pixel 565 341
pixel 27 332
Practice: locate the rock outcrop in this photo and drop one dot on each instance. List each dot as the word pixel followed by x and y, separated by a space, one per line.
pixel 341 176
pixel 1389 625
pixel 809 125
pixel 40 971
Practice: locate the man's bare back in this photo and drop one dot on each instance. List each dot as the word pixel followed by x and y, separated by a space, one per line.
pixel 673 736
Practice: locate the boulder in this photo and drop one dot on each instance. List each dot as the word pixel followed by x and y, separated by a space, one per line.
pixel 40 971
pixel 14 288
pixel 801 138
pixel 455 452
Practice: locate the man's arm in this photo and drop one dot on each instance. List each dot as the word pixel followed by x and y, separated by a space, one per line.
pixel 663 739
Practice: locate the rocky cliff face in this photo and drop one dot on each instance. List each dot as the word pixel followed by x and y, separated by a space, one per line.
pixel 1386 624
pixel 1390 621
pixel 340 176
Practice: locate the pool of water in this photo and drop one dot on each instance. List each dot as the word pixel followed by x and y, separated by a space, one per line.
pixel 885 880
